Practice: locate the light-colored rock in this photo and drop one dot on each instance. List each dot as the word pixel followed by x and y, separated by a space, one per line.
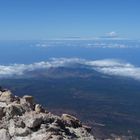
pixel 22 119
pixel 32 120
pixel 29 99
pixel 6 96
pixel 4 134
pixel 16 130
pixel 3 104
pixel 11 127
pixel 22 131
pixel 27 103
pixel 38 108
pixel 0 93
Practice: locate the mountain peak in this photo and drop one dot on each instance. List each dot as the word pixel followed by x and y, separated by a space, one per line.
pixel 22 119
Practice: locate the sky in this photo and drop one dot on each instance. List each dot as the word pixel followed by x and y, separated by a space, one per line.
pixel 45 19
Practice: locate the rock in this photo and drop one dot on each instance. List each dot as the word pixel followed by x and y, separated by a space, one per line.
pixel 27 103
pixel 71 121
pixel 6 96
pixel 39 108
pixel 29 99
pixel 1 113
pixel 11 128
pixel 14 109
pixel 32 120
pixel 1 93
pixel 88 128
pixel 22 132
pixel 20 123
pixel 54 128
pixel 22 119
pixel 3 104
pixel 26 106
pixel 4 134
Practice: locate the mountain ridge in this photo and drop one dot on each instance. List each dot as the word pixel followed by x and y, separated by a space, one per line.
pixel 22 119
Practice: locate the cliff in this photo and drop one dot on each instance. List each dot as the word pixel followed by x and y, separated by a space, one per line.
pixel 22 119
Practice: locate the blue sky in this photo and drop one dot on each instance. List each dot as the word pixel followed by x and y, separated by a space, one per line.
pixel 42 19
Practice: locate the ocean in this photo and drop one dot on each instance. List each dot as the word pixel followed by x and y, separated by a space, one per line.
pixel 27 52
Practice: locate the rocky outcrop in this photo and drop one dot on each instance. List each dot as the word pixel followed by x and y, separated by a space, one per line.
pixel 22 119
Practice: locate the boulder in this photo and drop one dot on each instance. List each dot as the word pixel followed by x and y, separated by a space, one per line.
pixel 71 121
pixel 7 96
pixel 11 127
pixel 14 110
pixel 22 132
pixel 33 120
pixel 27 103
pixel 3 104
pixel 19 123
pixel 39 108
pixel 28 99
pixel 4 134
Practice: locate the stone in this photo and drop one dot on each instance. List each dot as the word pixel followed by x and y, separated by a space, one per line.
pixel 88 128
pixel 71 121
pixel 6 96
pixel 39 108
pixel 22 132
pixel 32 120
pixel 27 103
pixel 1 113
pixel 54 128
pixel 1 93
pixel 26 106
pixel 3 104
pixel 29 99
pixel 11 127
pixel 4 134
pixel 22 119
pixel 19 123
pixel 14 109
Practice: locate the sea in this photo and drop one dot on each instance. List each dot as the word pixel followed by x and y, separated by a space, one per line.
pixel 32 51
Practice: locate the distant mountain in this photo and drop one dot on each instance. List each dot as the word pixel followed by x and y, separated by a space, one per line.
pixel 63 72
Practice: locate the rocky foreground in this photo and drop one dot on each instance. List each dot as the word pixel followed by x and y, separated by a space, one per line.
pixel 22 119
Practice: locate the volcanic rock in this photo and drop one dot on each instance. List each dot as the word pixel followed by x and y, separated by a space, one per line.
pixel 22 119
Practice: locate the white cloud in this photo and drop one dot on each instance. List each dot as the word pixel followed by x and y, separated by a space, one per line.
pixel 21 69
pixel 115 67
pixel 106 66
pixel 109 43
pixel 112 34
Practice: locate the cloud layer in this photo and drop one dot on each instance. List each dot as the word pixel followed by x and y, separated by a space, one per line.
pixel 95 43
pixel 106 66
pixel 112 34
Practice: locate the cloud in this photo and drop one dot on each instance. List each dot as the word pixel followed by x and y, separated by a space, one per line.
pixel 112 34
pixel 21 69
pixel 117 68
pixel 104 42
pixel 106 66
